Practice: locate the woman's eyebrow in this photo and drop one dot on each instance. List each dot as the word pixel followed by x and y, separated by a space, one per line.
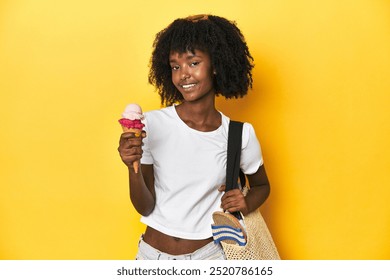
pixel 193 55
pixel 188 57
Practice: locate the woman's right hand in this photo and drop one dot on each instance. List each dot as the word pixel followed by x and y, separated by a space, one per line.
pixel 130 148
pixel 141 185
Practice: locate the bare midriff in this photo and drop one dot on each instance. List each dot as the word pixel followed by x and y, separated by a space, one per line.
pixel 172 245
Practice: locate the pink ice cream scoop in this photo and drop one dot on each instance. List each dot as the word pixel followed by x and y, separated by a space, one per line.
pixel 131 120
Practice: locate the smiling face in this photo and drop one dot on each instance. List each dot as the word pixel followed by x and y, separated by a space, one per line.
pixel 192 74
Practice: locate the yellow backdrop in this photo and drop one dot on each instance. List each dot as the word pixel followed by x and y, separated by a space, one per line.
pixel 320 107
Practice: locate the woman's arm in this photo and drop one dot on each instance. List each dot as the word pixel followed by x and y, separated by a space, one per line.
pixel 259 189
pixel 142 192
pixel 141 186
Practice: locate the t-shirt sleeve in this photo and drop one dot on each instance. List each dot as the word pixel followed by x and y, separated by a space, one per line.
pixel 146 156
pixel 251 156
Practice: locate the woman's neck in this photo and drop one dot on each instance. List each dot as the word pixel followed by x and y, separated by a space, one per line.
pixel 200 116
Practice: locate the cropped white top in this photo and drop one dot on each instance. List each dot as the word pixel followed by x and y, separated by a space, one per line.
pixel 189 167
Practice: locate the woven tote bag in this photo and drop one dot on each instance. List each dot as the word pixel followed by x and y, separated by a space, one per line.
pixel 259 242
pixel 241 237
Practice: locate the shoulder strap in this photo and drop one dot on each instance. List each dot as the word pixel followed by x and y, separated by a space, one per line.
pixel 233 154
pixel 233 170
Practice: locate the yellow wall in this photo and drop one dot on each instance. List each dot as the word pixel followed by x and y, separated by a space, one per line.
pixel 319 105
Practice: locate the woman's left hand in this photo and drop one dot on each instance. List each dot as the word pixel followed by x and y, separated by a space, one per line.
pixel 233 201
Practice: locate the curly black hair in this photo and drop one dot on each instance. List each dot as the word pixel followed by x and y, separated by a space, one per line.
pixel 220 38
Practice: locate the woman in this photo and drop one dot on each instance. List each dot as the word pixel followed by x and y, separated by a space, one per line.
pixel 184 148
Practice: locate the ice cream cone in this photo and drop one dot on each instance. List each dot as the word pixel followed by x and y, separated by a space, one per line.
pixel 137 133
pixel 131 121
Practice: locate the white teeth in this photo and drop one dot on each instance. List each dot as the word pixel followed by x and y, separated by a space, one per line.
pixel 188 86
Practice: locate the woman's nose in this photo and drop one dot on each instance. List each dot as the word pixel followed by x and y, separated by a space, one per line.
pixel 184 74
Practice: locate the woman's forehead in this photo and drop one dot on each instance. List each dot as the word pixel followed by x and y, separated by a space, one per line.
pixel 188 54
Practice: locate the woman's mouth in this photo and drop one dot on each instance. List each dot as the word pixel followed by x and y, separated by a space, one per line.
pixel 187 86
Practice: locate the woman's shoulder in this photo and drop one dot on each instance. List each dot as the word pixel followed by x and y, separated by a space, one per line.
pixel 156 120
pixel 248 132
pixel 247 126
pixel 159 113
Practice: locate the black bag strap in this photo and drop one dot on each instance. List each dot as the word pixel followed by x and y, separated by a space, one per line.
pixel 233 154
pixel 233 171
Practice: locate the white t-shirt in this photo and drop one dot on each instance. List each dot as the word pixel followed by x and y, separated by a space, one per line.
pixel 189 167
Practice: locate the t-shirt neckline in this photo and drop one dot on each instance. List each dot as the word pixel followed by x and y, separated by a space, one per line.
pixel 176 115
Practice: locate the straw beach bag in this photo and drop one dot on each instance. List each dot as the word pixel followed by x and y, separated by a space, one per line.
pixel 242 237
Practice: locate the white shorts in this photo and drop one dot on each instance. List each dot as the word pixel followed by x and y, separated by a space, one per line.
pixel 210 251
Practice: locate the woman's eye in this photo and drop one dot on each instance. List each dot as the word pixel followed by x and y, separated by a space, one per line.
pixel 174 67
pixel 195 63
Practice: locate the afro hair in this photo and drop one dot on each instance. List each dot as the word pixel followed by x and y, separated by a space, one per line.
pixel 217 36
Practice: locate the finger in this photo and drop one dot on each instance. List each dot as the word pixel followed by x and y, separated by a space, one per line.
pixel 129 160
pixel 132 151
pixel 133 142
pixel 228 201
pixel 127 142
pixel 234 192
pixel 133 135
pixel 222 188
pixel 125 137
pixel 230 208
pixel 230 196
pixel 233 207
pixel 127 153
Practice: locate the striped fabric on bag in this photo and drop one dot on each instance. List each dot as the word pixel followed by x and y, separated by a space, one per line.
pixel 225 232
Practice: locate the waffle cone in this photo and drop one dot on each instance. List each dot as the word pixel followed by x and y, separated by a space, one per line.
pixel 137 133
